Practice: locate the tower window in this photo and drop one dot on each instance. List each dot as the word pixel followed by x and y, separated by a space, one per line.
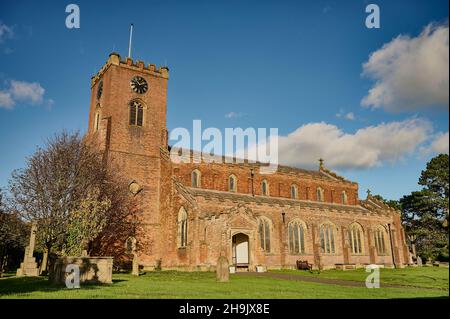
pixel 97 121
pixel 136 113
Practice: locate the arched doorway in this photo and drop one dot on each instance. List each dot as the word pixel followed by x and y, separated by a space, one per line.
pixel 240 250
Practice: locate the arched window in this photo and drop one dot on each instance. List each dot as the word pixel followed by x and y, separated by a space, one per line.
pixel 380 240
pixel 344 197
pixel 232 183
pixel 327 238
pixel 265 188
pixel 182 227
pixel 136 113
pixel 356 238
pixel 319 194
pixel 264 234
pixel 297 231
pixel 196 178
pixel 294 191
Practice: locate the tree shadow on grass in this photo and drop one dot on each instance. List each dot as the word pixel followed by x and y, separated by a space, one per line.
pixel 23 285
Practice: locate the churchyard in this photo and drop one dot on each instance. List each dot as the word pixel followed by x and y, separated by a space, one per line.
pixel 419 282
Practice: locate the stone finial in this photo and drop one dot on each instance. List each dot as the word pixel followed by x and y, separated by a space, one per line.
pixel 114 58
pixel 321 166
pixel 164 70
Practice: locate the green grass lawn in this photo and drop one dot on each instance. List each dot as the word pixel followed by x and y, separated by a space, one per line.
pixel 169 284
pixel 422 277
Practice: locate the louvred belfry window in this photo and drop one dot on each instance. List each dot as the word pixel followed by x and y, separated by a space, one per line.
pixel 136 113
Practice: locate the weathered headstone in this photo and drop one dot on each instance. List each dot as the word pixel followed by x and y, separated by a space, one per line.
pixel 222 270
pixel 135 269
pixel 419 261
pixel 29 265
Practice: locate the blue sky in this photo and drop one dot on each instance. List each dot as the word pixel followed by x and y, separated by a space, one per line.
pixel 283 64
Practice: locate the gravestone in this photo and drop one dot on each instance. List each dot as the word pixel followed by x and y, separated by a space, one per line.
pixel 135 269
pixel 92 269
pixel 29 265
pixel 222 270
pixel 419 261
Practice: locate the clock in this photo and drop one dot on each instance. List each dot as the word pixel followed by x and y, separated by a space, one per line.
pixel 139 85
pixel 99 90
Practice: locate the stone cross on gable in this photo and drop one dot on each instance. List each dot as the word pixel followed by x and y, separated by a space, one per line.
pixel 368 193
pixel 321 163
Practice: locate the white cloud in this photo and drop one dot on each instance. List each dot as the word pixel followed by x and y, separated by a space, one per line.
pixel 367 147
pixel 231 115
pixel 6 32
pixel 26 91
pixel 348 116
pixel 410 73
pixel 440 144
pixel 6 100
pixel 22 92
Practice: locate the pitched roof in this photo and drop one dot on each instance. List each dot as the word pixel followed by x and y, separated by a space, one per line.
pixel 322 172
pixel 268 200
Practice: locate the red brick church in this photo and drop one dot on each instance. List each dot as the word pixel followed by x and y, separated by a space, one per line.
pixel 194 213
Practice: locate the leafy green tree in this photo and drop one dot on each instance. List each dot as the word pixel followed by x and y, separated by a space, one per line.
pixel 86 222
pixel 425 212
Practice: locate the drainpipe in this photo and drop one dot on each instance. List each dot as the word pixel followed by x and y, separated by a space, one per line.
pixel 392 246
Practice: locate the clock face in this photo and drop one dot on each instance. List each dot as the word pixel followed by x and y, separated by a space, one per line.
pixel 99 90
pixel 139 85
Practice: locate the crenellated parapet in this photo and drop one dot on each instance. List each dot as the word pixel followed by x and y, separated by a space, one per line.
pixel 137 65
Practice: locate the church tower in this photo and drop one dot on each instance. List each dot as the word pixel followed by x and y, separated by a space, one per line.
pixel 128 116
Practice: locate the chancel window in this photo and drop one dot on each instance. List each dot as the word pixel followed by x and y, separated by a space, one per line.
pixel 182 228
pixel 294 191
pixel 264 234
pixel 136 113
pixel 355 237
pixel 327 238
pixel 380 240
pixel 296 237
pixel 232 183
pixel 195 178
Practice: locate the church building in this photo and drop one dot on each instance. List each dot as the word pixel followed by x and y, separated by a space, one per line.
pixel 193 213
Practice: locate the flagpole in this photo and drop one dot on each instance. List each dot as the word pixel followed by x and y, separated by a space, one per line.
pixel 129 45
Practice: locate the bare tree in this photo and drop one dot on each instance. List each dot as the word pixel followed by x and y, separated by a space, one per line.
pixel 63 183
